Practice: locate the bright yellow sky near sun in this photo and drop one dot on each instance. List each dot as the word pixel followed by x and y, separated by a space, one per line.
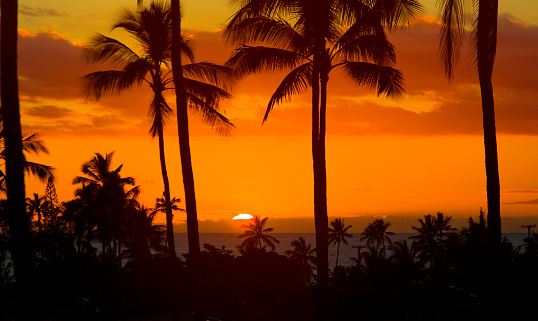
pixel 414 156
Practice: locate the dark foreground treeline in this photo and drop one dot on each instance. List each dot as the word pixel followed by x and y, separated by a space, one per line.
pixel 442 274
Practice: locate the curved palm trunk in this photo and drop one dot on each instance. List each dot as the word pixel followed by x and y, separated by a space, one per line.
pixel 183 134
pixel 168 207
pixel 19 223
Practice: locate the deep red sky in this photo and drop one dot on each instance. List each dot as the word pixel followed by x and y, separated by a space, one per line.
pixel 417 155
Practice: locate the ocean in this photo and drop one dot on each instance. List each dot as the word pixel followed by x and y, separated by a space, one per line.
pixel 230 242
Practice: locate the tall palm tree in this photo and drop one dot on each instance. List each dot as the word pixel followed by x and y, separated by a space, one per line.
pixel 256 234
pixel 36 206
pixel 485 47
pixel 312 37
pixel 338 234
pixel 19 223
pixel 151 27
pixel 377 233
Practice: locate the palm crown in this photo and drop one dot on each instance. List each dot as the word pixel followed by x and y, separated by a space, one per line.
pixel 256 234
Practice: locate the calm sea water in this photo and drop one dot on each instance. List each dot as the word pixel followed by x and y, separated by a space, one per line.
pixel 230 242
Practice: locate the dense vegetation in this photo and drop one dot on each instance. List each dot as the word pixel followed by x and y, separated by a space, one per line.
pixel 94 261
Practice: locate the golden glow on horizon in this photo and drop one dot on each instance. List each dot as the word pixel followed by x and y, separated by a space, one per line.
pixel 243 216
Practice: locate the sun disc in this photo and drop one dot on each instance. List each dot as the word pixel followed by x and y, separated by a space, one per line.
pixel 243 216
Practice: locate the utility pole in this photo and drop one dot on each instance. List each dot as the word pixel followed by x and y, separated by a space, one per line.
pixel 528 228
pixel 358 247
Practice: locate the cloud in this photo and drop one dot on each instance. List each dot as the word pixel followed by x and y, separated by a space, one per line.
pixel 49 111
pixel 529 202
pixel 40 12
pixel 51 67
pixel 521 191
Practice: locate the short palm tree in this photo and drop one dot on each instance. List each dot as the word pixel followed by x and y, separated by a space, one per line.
pixel 303 254
pixel 36 206
pixel 377 233
pixel 338 234
pixel 256 234
pixel 107 193
pixel 151 28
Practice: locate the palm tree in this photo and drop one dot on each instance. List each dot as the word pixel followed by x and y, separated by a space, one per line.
pixel 161 206
pixel 151 27
pixel 376 233
pixel 19 223
pixel 256 234
pixel 318 41
pixel 303 254
pixel 442 225
pixel 426 240
pixel 485 46
pixel 36 206
pixel 338 234
pixel 105 191
pixel 31 144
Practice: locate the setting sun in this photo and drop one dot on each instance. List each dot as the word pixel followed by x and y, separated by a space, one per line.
pixel 243 216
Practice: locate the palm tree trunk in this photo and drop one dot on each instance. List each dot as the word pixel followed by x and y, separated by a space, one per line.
pixel 168 206
pixel 486 47
pixel 183 134
pixel 19 223
pixel 337 254
pixel 321 220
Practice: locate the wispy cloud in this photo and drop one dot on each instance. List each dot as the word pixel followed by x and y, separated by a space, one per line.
pixel 40 12
pixel 529 202
pixel 520 191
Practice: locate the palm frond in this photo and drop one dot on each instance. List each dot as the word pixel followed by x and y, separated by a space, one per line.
pixel 386 80
pixel 273 32
pixel 294 83
pixel 211 73
pixel 247 60
pixel 210 115
pixel 34 144
pixel 43 172
pixel 110 82
pixel 102 48
pixel 374 48
pixel 159 112
pixel 452 33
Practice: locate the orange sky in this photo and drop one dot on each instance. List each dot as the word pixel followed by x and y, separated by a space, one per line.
pixel 418 155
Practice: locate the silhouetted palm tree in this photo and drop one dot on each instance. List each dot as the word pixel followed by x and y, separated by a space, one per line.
pixel 151 27
pixel 312 38
pixel 36 206
pixel 19 223
pixel 430 239
pixel 201 98
pixel 160 206
pixel 485 47
pixel 338 234
pixel 377 233
pixel 256 234
pixel 31 144
pixel 105 191
pixel 442 224
pixel 303 254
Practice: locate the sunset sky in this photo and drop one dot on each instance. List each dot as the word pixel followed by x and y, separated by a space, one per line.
pixel 409 157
